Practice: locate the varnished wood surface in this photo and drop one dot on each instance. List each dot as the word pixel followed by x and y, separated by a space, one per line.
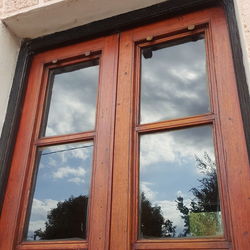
pixel 237 177
pixel 183 244
pixel 55 245
pixel 28 140
pixel 54 140
pixel 183 122
pixel 128 160
pixel 121 187
pixel 113 213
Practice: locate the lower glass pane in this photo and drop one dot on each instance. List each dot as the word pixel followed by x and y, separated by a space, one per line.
pixel 61 191
pixel 178 185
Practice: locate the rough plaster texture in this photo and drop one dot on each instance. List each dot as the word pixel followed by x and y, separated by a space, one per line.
pixel 243 15
pixel 53 16
pixel 1 7
pixel 9 47
pixel 51 1
pixel 13 5
pixel 245 12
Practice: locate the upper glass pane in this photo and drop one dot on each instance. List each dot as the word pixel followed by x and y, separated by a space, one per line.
pixel 174 80
pixel 178 185
pixel 60 192
pixel 71 99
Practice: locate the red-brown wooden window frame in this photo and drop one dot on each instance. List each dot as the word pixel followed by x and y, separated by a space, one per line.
pixel 223 99
pixel 29 140
pixel 113 206
pixel 210 118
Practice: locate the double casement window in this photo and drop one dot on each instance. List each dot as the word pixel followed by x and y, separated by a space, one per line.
pixel 131 141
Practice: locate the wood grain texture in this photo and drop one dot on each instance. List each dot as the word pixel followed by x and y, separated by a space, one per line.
pixel 184 244
pixel 113 214
pixel 177 123
pixel 55 140
pixel 28 140
pixel 121 187
pixel 222 86
pixel 239 68
pixel 233 139
pixel 100 203
pixel 57 245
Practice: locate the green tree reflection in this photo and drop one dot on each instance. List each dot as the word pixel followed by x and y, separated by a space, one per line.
pixel 152 221
pixel 67 220
pixel 202 217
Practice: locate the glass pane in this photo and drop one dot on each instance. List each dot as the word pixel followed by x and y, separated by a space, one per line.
pixel 61 192
pixel 71 104
pixel 178 185
pixel 174 80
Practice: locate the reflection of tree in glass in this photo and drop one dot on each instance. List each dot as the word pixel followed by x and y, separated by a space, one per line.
pixel 67 220
pixel 152 221
pixel 201 219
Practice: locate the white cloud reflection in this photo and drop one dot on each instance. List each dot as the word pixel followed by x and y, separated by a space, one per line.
pixel 174 83
pixel 73 102
pixel 66 152
pixel 168 168
pixel 64 172
pixel 145 188
pixel 173 86
pixel 40 209
pixel 177 146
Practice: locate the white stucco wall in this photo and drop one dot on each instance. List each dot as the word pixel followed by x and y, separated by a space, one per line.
pixel 242 8
pixel 40 17
pixel 9 47
pixel 34 18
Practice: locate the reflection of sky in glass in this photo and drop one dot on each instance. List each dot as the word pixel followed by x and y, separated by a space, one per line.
pixel 63 171
pixel 169 169
pixel 174 81
pixel 72 106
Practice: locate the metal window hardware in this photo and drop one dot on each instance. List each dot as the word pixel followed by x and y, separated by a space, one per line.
pixel 87 53
pixel 191 27
pixel 149 38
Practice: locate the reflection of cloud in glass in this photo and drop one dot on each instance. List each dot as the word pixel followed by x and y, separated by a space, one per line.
pixel 63 171
pixel 169 168
pixel 145 188
pixel 174 82
pixel 175 147
pixel 73 100
pixel 39 215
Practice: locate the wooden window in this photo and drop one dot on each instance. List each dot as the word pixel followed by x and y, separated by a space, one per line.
pixel 146 125
pixel 67 120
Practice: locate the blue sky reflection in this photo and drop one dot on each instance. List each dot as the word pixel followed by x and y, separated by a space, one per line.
pixel 63 171
pixel 72 106
pixel 169 169
pixel 174 81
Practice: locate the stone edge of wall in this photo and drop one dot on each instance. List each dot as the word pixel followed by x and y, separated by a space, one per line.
pixel 10 8
pixel 10 45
